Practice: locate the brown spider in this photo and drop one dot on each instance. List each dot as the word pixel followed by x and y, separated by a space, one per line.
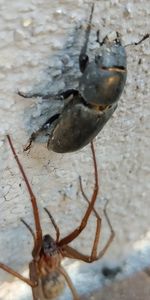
pixel 48 253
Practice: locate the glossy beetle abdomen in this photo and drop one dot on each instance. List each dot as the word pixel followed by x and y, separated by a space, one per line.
pixel 77 126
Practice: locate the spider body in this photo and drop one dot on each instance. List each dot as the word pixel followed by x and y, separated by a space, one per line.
pixel 47 253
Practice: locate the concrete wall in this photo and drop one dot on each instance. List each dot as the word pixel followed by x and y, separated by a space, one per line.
pixel 40 39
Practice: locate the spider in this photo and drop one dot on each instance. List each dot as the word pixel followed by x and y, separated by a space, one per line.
pixel 48 252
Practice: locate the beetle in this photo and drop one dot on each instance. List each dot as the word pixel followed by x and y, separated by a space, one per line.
pixel 87 109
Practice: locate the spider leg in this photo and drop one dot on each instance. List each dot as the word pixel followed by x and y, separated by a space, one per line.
pixel 69 282
pixel 38 235
pixel 54 224
pixel 86 198
pixel 99 221
pixel 70 237
pixel 94 255
pixel 68 251
pixel 16 274
pixel 29 228
pixel 34 277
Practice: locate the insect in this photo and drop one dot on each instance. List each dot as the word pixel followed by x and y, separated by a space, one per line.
pixel 87 109
pixel 48 252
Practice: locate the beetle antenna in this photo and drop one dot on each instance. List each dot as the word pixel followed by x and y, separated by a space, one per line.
pixel 146 36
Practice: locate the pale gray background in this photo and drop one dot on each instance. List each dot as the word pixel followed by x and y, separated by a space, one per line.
pixel 33 52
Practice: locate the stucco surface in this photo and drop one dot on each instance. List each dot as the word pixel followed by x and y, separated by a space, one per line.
pixel 40 44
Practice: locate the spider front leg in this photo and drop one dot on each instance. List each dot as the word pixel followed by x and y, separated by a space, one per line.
pixel 38 233
pixel 54 224
pixel 38 236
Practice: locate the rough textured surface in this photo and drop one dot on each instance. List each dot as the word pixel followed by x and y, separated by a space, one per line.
pixel 39 51
pixel 135 288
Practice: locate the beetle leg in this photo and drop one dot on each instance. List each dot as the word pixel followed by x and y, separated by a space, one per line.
pixel 146 36
pixel 68 93
pixel 98 36
pixel 43 128
pixel 35 95
pixel 60 96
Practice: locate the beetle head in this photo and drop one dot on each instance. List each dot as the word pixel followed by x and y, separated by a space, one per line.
pixel 104 78
pixel 111 53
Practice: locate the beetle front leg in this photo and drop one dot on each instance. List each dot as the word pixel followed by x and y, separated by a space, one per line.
pixel 43 96
pixel 67 94
pixel 98 38
pixel 59 96
pixel 29 94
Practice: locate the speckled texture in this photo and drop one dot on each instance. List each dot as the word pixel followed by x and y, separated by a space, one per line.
pixel 39 40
